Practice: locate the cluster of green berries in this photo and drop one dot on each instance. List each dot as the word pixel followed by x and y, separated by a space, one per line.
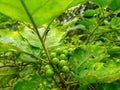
pixel 59 57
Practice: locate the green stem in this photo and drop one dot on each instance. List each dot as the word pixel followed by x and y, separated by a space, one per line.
pixel 91 34
pixel 42 41
pixel 36 30
pixel 71 82
pixel 15 65
pixel 46 31
pixel 35 57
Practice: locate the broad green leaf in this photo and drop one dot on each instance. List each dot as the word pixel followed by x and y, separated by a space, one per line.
pixel 29 83
pixel 89 65
pixel 77 2
pixel 87 59
pixel 114 5
pixel 70 23
pixel 7 70
pixel 54 36
pixel 107 86
pixel 103 74
pixel 3 18
pixel 5 79
pixel 42 11
pixel 114 52
pixel 27 70
pixel 88 23
pixel 6 74
pixel 27 34
pixel 27 58
pixel 10 37
pixel 20 41
pixel 91 12
pixel 33 82
pixel 6 47
pixel 115 22
pixel 84 56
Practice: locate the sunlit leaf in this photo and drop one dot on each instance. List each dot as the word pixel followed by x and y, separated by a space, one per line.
pixel 54 37
pixel 42 11
pixel 77 2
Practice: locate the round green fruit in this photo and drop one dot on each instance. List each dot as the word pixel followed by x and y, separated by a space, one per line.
pixel 43 52
pixel 50 72
pixel 55 61
pixel 53 54
pixel 65 52
pixel 58 50
pixel 63 56
pixel 62 63
pixel 65 69
pixel 47 67
pixel 70 51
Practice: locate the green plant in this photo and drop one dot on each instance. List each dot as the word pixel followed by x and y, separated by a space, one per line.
pixel 59 45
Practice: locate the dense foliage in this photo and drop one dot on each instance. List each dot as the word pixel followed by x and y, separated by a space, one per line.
pixel 60 45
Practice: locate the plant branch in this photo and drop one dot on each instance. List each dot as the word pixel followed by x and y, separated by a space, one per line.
pixel 71 82
pixel 46 31
pixel 36 29
pixel 15 65
pixel 89 37
pixel 42 41
pixel 35 57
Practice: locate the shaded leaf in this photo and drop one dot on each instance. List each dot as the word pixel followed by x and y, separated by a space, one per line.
pixel 115 21
pixel 101 3
pixel 6 47
pixel 91 12
pixel 26 71
pixel 6 74
pixel 114 52
pixel 114 5
pixel 26 58
pixel 32 82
